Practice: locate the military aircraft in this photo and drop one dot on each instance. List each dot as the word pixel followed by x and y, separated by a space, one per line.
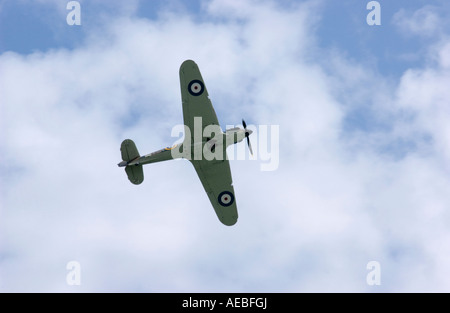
pixel 205 152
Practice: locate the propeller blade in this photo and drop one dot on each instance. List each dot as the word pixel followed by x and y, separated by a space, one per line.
pixel 247 133
pixel 249 145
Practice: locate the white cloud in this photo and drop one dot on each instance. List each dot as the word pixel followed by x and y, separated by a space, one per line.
pixel 337 201
pixel 425 21
pixel 444 55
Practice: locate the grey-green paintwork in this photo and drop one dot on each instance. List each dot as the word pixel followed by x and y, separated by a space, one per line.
pixel 215 175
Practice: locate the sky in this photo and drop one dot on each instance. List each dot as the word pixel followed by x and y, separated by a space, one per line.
pixel 363 148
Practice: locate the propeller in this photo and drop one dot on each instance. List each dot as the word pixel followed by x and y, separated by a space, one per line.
pixel 247 134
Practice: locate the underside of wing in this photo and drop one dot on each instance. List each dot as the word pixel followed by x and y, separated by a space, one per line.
pixel 215 175
pixel 216 179
pixel 196 102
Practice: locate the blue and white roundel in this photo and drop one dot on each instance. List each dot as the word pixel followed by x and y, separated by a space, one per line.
pixel 196 87
pixel 225 198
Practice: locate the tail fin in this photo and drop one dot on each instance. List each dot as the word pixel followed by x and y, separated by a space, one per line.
pixel 129 153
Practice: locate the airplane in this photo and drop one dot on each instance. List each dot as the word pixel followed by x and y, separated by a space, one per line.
pixel 199 116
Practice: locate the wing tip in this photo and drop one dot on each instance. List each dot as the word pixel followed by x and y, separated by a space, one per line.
pixel 229 222
pixel 188 63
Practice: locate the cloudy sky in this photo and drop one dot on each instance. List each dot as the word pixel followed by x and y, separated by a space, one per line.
pixel 364 146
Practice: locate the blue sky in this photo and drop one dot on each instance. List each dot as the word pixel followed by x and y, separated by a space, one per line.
pixel 364 146
pixel 28 26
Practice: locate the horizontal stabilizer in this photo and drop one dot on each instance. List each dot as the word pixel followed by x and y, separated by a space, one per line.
pixel 129 150
pixel 135 174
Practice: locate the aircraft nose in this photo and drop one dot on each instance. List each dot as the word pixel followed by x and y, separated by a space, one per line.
pixel 249 131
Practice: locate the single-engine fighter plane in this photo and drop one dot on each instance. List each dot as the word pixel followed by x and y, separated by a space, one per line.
pixel 199 115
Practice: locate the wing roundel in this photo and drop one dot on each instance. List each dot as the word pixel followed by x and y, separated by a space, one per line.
pixel 196 87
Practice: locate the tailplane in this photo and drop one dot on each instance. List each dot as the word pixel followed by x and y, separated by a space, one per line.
pixel 130 153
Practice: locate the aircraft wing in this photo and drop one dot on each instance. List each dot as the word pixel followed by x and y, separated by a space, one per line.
pixel 216 179
pixel 196 102
pixel 215 175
